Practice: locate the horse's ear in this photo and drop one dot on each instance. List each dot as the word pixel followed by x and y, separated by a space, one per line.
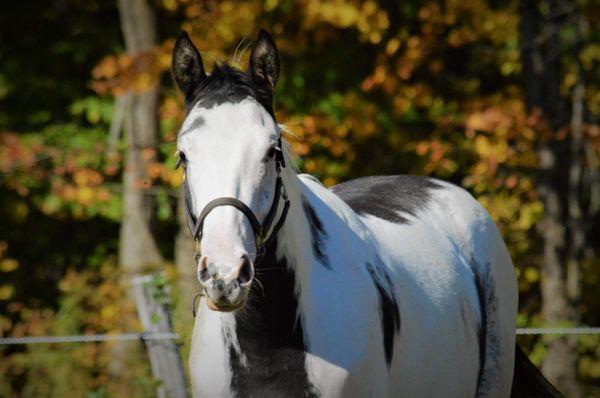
pixel 187 67
pixel 264 61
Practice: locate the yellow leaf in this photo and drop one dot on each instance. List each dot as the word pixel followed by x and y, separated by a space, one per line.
pixel 85 195
pixel 8 264
pixel 271 4
pixel 6 292
pixel 531 275
pixel 392 46
pixel 108 312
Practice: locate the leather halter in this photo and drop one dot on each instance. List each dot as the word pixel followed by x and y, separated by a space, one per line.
pixel 261 230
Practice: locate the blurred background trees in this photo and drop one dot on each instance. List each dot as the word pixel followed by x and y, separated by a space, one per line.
pixel 500 97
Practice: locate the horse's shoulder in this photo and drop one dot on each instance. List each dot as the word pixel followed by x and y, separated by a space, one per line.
pixel 391 198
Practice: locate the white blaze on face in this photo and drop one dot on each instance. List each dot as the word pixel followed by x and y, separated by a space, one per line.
pixel 225 147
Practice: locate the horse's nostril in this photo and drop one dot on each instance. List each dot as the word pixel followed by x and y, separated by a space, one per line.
pixel 246 272
pixel 204 271
pixel 204 275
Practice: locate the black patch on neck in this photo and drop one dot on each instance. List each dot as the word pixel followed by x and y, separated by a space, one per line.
pixel 228 84
pixel 270 336
pixel 318 233
pixel 390 312
pixel 489 339
pixel 387 197
pixel 481 333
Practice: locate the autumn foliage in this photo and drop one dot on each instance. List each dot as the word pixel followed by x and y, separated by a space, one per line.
pixel 377 87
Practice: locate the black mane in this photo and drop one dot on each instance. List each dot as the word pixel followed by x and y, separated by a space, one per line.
pixel 228 84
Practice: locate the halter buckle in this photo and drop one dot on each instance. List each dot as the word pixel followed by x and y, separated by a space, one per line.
pixel 260 239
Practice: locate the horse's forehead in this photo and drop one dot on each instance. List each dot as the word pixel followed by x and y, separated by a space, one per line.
pixel 229 118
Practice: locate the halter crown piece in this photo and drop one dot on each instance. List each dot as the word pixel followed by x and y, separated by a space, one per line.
pixel 261 230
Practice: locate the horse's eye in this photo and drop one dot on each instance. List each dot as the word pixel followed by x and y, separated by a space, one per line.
pixel 271 153
pixel 182 160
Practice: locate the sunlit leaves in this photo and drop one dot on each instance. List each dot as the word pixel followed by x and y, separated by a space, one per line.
pixel 137 73
pixel 367 87
pixel 94 109
pixel 61 169
pixel 367 17
pixel 92 301
pixel 8 265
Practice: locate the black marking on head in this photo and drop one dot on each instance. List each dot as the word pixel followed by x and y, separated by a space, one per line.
pixel 390 312
pixel 318 233
pixel 489 338
pixel 225 83
pixel 270 336
pixel 196 124
pixel 387 197
pixel 228 84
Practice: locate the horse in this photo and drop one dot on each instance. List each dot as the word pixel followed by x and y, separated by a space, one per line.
pixel 384 286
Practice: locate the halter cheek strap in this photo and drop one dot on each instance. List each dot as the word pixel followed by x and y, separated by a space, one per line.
pixel 261 231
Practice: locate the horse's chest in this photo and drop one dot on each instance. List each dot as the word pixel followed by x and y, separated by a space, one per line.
pixel 269 372
pixel 268 358
pixel 264 362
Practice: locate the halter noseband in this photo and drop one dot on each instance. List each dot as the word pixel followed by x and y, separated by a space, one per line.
pixel 260 229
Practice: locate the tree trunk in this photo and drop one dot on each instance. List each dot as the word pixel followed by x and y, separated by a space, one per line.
pixel 540 43
pixel 577 223
pixel 560 363
pixel 138 248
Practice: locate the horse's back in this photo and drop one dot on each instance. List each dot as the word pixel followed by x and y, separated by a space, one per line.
pixel 454 280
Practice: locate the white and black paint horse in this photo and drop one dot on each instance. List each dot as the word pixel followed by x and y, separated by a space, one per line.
pixel 396 286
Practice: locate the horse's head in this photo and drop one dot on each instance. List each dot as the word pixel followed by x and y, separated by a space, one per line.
pixel 230 147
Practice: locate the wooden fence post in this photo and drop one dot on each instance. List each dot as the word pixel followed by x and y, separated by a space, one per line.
pixel 151 297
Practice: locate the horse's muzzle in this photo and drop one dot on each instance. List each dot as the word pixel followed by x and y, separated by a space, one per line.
pixel 225 292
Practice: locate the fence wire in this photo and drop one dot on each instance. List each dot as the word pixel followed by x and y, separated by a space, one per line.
pixel 89 338
pixel 559 331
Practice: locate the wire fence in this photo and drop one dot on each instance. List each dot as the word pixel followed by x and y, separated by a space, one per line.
pixel 89 338
pixel 559 331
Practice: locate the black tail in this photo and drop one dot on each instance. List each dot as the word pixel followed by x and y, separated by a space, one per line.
pixel 528 381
